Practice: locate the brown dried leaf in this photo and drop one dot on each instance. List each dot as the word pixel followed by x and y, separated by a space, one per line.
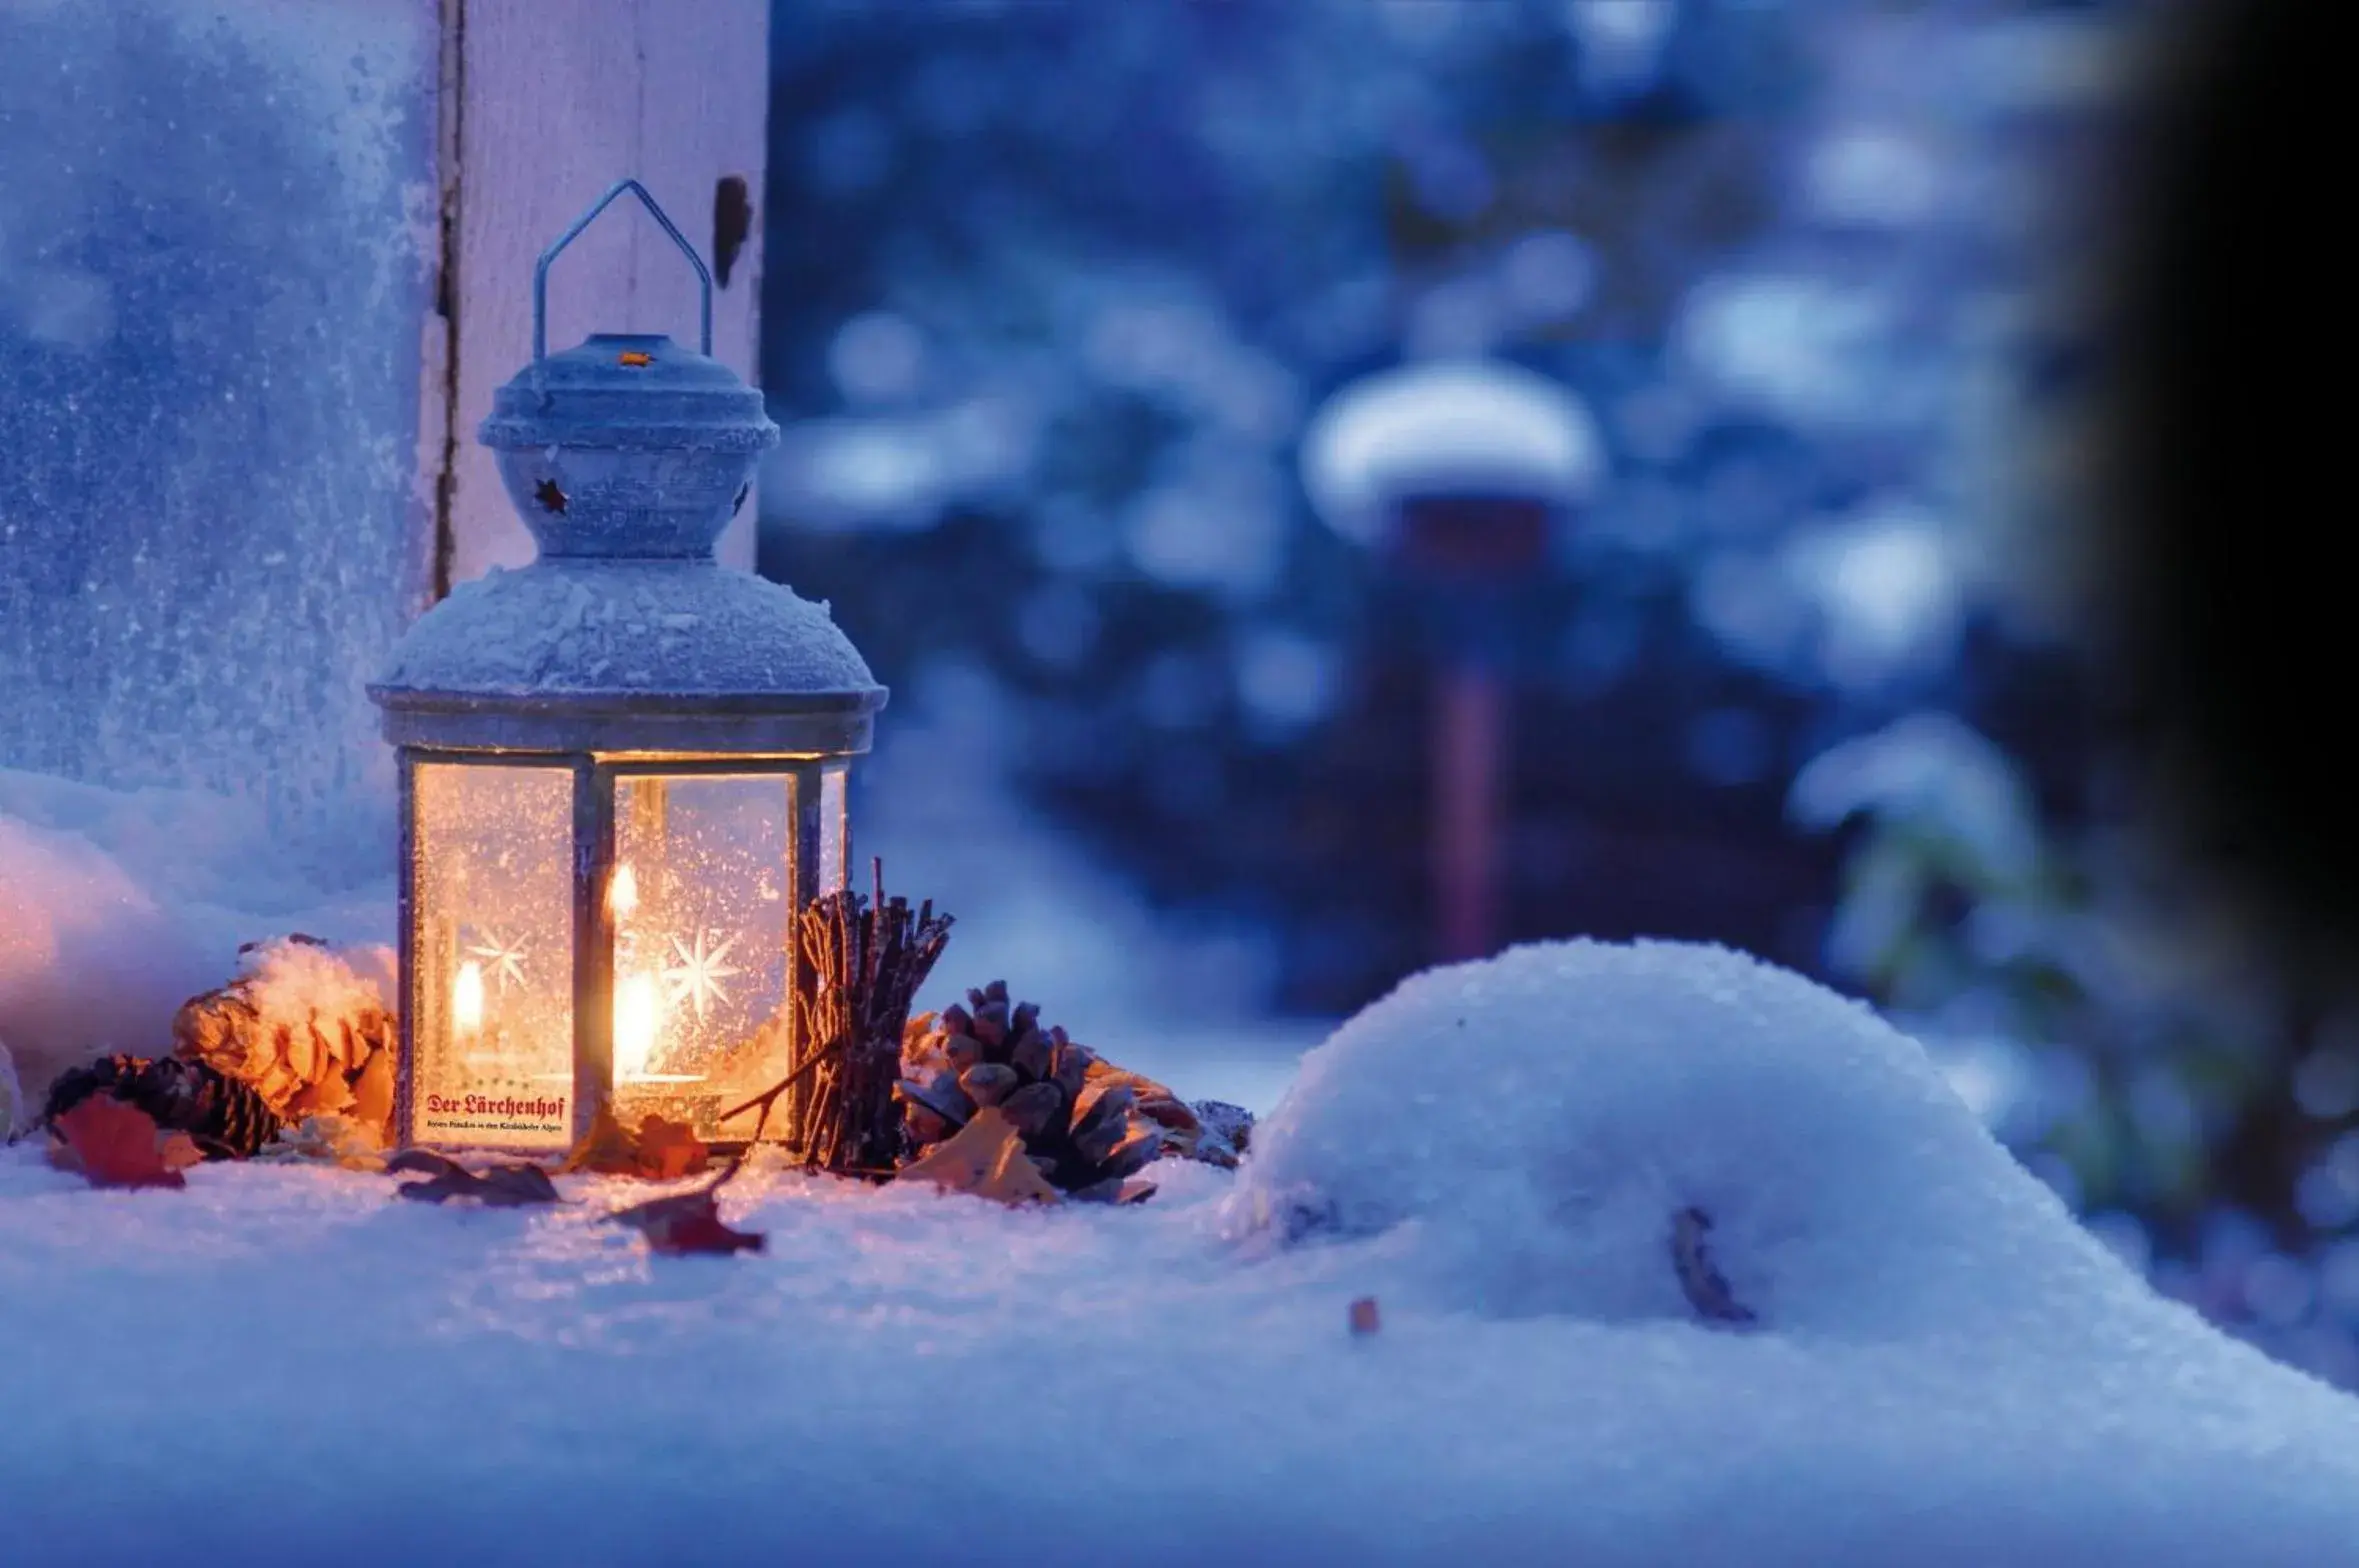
pixel 986 1158
pixel 685 1223
pixel 499 1186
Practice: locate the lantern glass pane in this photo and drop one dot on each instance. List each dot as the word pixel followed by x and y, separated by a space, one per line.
pixel 835 845
pixel 493 986
pixel 703 904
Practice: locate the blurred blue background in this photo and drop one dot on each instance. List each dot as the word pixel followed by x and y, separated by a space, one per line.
pixel 1055 295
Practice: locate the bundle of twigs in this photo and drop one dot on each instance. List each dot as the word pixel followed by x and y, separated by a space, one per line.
pixel 863 959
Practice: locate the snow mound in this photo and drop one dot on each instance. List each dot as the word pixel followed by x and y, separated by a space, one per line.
pixel 1524 1131
pixel 115 906
pixel 1942 1372
pixel 87 956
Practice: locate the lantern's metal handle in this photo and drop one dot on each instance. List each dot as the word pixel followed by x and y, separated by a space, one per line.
pixel 540 269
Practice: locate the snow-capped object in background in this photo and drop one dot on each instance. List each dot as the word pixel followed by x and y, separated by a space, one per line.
pixel 1454 426
pixel 620 765
pixel 1600 1091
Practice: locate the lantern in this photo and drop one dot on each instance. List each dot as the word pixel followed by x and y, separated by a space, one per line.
pixel 622 767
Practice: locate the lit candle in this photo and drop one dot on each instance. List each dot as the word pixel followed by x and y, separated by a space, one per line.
pixel 622 892
pixel 467 1003
pixel 638 1018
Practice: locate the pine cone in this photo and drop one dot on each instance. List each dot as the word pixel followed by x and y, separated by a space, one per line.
pixel 301 1027
pixel 1080 1118
pixel 1225 1131
pixel 224 1117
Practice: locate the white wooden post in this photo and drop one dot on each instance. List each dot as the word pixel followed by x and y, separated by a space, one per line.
pixel 549 105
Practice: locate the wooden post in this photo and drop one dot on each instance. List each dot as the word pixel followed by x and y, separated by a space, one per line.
pixel 550 104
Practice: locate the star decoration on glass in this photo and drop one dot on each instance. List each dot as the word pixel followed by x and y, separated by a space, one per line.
pixel 698 975
pixel 505 960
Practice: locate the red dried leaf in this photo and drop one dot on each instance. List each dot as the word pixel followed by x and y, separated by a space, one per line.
pixel 687 1222
pixel 670 1150
pixel 118 1145
pixel 660 1150
pixel 607 1148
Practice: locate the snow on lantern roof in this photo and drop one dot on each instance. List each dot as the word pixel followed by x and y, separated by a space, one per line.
pixel 568 626
pixel 627 456
pixel 1466 426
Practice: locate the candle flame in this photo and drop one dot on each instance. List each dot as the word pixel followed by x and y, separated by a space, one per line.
pixel 467 999
pixel 622 891
pixel 638 1018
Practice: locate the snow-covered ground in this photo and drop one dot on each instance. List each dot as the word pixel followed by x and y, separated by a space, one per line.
pixel 283 1364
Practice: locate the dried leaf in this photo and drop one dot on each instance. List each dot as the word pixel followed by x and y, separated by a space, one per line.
pixel 660 1150
pixel 986 1158
pixel 1700 1278
pixel 606 1148
pixel 178 1151
pixel 498 1186
pixel 118 1145
pixel 670 1150
pixel 687 1222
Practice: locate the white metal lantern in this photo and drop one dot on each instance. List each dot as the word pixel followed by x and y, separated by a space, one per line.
pixel 623 767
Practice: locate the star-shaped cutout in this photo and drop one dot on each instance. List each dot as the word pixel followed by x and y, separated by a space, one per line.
pixel 505 960
pixel 698 975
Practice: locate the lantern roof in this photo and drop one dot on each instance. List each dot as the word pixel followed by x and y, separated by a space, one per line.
pixel 629 390
pixel 627 456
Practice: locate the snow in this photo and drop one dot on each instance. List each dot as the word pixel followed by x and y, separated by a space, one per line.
pixel 116 905
pixel 671 626
pixel 1946 1369
pixel 1472 424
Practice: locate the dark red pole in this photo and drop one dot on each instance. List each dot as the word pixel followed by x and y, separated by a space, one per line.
pixel 1469 760
pixel 1466 553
